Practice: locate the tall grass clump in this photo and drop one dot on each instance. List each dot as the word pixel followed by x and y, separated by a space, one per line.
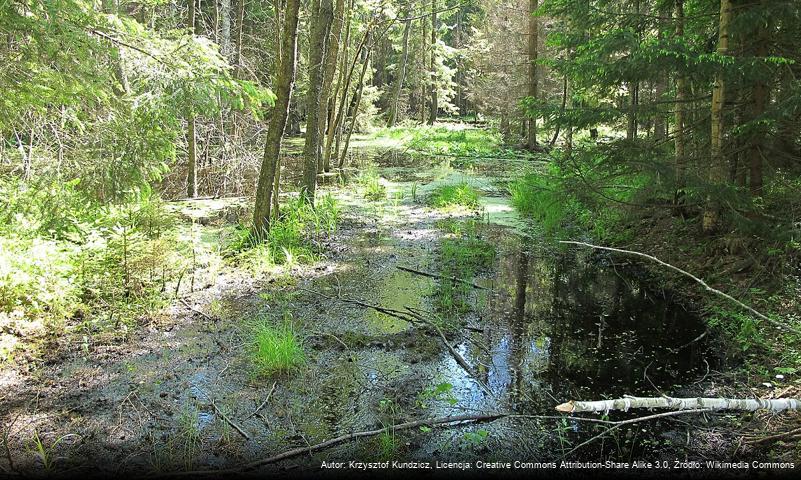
pixel 460 194
pixel 294 237
pixel 276 348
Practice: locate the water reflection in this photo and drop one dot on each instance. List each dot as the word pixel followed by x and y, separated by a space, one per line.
pixel 564 327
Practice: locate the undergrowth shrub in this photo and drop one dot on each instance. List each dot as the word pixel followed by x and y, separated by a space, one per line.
pixel 64 256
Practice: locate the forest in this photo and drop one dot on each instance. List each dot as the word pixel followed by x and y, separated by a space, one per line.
pixel 308 236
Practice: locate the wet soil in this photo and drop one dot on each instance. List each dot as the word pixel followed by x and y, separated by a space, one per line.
pixel 553 325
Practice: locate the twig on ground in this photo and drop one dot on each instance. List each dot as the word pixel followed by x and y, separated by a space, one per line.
pixel 272 389
pixel 230 422
pixel 190 307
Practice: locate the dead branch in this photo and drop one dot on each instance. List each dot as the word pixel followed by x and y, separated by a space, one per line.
pixel 626 403
pixel 780 436
pixel 698 280
pixel 230 422
pixel 272 389
pixel 441 277
pixel 190 307
pixel 458 357
pixel 621 423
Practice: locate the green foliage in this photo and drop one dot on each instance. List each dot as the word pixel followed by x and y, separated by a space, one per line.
pixel 442 392
pixel 294 237
pixel 461 194
pixel 372 183
pixel 276 349
pixel 63 256
pixel 739 326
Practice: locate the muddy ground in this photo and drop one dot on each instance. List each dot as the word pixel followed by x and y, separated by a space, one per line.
pixel 549 325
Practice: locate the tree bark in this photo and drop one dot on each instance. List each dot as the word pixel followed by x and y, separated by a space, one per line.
pixel 225 29
pixel 533 81
pixel 272 147
pixel 432 114
pixel 340 94
pixel 760 95
pixel 326 94
pixel 356 101
pixel 393 111
pixel 744 404
pixel 717 170
pixel 321 13
pixel 191 176
pixel 681 102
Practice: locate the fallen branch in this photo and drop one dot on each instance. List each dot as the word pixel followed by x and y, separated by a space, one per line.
pixel 386 311
pixel 698 280
pixel 456 355
pixel 441 277
pixel 230 422
pixel 272 389
pixel 626 403
pixel 779 436
pixel 344 438
pixel 190 307
pixel 621 423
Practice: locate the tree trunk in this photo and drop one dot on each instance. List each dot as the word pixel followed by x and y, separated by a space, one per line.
pixel 717 170
pixel 748 404
pixel 432 114
pixel 760 95
pixel 283 91
pixel 681 105
pixel 533 81
pixel 342 87
pixel 356 101
pixel 191 176
pixel 225 29
pixel 393 109
pixel 321 13
pixel 330 67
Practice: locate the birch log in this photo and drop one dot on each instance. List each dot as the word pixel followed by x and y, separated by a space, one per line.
pixel 746 404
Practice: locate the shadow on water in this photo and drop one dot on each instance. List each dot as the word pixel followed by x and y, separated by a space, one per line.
pixel 572 327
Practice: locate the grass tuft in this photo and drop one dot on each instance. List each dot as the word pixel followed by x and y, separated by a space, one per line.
pixel 276 349
pixel 460 194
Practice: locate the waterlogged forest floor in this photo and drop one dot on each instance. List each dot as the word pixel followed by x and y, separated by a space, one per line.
pixel 546 326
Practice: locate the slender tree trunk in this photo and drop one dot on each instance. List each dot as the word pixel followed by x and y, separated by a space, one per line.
pixel 760 96
pixel 745 404
pixel 393 112
pixel 283 91
pixel 240 29
pixel 340 93
pixel 681 105
pixel 321 13
pixel 356 102
pixel 191 177
pixel 432 114
pixel 326 94
pixel 533 81
pixel 225 29
pixel 423 69
pixel 717 170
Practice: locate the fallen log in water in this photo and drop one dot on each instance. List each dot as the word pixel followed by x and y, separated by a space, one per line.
pixel 626 403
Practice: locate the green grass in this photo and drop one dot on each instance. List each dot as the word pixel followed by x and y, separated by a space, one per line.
pixel 460 194
pixel 276 349
pixel 452 140
pixel 370 181
pixel 294 237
